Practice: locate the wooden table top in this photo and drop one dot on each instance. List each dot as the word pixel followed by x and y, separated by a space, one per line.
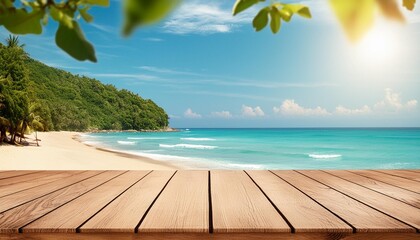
pixel 215 204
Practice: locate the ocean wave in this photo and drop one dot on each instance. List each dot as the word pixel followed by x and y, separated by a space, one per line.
pixel 192 146
pixel 126 142
pixel 324 156
pixel 243 166
pixel 146 138
pixel 198 139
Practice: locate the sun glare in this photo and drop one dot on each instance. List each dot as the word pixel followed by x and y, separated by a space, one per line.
pixel 380 46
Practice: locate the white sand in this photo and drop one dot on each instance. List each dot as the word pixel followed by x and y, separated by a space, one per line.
pixel 61 151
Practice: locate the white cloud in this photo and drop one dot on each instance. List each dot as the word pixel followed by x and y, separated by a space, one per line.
pixel 124 75
pixel 222 114
pixel 248 111
pixel 104 28
pixel 151 39
pixel 289 107
pixel 346 111
pixel 166 71
pixel 205 17
pixel 393 103
pixel 190 114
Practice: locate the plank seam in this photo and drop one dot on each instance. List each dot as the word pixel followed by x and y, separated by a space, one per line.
pixel 342 219
pixel 383 181
pixel 51 192
pixel 37 185
pixel 136 228
pixel 395 175
pixel 417 230
pixel 369 188
pixel 292 229
pixel 20 230
pixel 210 206
pixel 78 228
pixel 20 175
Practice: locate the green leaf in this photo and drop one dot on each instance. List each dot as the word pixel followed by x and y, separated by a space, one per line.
pixel 103 3
pixel 261 20
pixel 409 4
pixel 356 17
pixel 45 20
pixel 72 41
pixel 241 5
pixel 61 17
pixel 300 9
pixel 286 14
pixel 85 15
pixel 275 20
pixel 22 22
pixel 145 12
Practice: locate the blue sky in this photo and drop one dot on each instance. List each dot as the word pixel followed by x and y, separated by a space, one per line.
pixel 209 69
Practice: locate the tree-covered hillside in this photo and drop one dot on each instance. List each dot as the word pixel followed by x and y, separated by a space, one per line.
pixel 72 102
pixel 34 96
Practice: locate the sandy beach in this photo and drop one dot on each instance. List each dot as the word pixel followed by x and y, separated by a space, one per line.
pixel 62 151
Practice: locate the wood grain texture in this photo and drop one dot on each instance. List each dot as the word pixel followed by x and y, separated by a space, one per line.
pixel 27 195
pixel 239 205
pixel 183 205
pixel 186 205
pixel 403 173
pixel 389 190
pixel 404 212
pixel 72 215
pixel 33 180
pixel 24 178
pixel 360 216
pixel 216 236
pixel 389 179
pixel 125 212
pixel 12 220
pixel 11 174
pixel 304 214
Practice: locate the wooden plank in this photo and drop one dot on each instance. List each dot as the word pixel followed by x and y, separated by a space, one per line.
pixel 12 220
pixel 360 216
pixel 27 195
pixel 402 173
pixel 24 178
pixel 304 214
pixel 72 215
pixel 125 212
pixel 238 205
pixel 183 206
pixel 392 180
pixel 389 190
pixel 11 174
pixel 38 179
pixel 394 208
pixel 218 236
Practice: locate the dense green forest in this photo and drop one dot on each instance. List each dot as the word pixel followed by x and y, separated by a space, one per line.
pixel 39 97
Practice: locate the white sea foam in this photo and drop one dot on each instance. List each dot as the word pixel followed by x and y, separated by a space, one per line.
pixel 324 156
pixel 192 146
pixel 198 139
pixel 243 166
pixel 146 138
pixel 126 142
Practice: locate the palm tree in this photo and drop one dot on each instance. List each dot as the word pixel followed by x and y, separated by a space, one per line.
pixel 31 122
pixel 13 41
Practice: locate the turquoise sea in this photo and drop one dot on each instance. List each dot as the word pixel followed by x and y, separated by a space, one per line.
pixel 341 148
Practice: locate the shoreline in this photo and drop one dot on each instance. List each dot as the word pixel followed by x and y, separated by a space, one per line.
pixel 65 151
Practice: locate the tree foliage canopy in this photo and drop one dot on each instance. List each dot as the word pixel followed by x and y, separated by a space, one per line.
pixel 29 17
